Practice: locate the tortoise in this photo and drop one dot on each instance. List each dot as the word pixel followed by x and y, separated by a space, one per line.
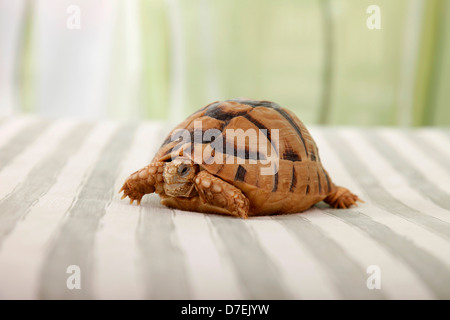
pixel 193 171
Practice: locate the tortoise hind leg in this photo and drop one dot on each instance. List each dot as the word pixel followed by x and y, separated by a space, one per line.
pixel 341 198
pixel 146 180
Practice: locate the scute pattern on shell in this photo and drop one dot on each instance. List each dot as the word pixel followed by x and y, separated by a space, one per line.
pixel 300 182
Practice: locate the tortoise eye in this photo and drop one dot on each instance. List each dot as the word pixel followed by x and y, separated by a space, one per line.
pixel 183 170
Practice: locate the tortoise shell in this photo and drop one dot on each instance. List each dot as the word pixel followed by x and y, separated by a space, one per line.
pixel 300 181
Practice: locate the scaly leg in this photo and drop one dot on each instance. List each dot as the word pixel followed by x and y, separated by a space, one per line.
pixel 341 198
pixel 147 180
pixel 218 193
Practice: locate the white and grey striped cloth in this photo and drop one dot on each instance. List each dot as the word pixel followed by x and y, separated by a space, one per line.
pixel 59 207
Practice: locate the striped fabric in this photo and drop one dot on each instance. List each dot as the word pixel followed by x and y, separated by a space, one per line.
pixel 59 207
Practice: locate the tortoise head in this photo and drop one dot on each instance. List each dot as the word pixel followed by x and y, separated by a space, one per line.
pixel 179 175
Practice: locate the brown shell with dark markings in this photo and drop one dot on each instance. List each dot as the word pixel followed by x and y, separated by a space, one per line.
pixel 300 182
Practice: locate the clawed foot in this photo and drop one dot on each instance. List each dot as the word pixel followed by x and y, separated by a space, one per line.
pixel 147 180
pixel 130 193
pixel 342 198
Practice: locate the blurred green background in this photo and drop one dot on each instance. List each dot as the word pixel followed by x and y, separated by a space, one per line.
pixel 163 59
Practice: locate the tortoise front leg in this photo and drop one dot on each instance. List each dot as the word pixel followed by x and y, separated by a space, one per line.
pixel 146 180
pixel 219 193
